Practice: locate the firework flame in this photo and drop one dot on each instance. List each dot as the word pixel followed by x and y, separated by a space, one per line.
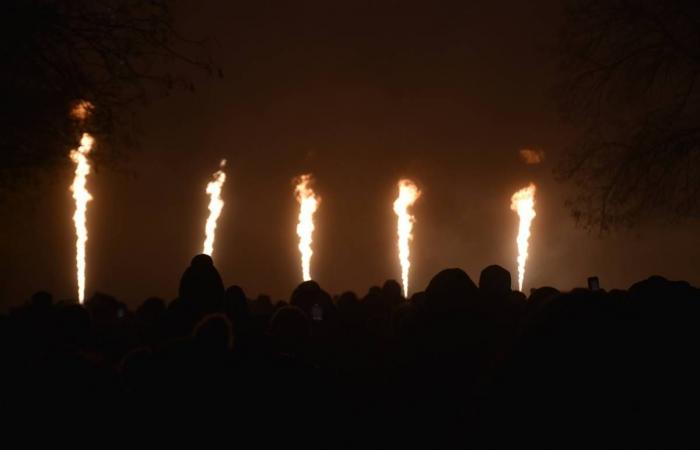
pixel 408 194
pixel 308 204
pixel 81 197
pixel 81 110
pixel 216 205
pixel 523 202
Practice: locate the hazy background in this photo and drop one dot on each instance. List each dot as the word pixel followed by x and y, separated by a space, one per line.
pixel 359 94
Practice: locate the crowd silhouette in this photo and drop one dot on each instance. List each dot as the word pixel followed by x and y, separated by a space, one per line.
pixel 455 365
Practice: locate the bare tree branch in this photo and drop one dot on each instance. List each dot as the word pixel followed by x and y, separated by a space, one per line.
pixel 629 75
pixel 113 53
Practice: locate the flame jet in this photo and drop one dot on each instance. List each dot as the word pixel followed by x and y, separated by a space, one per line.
pixel 81 196
pixel 308 204
pixel 523 202
pixel 216 205
pixel 408 194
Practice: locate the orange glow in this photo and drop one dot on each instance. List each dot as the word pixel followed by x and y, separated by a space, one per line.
pixel 82 110
pixel 216 205
pixel 81 197
pixel 408 194
pixel 308 204
pixel 523 202
pixel 532 156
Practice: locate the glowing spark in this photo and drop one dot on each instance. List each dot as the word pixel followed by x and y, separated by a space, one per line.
pixel 523 202
pixel 408 194
pixel 308 204
pixel 215 207
pixel 81 197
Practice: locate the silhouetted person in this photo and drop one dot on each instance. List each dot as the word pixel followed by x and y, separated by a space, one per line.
pixel 373 296
pixel 151 308
pixel 392 293
pixel 377 307
pixel 306 295
pixel 236 307
pixel 316 303
pixel 541 296
pixel 42 299
pixel 494 281
pixel 350 310
pixel 495 288
pixel 201 288
pixel 103 310
pixel 262 306
pixel 214 334
pixel 451 289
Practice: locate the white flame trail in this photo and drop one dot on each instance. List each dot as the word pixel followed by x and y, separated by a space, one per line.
pixel 408 194
pixel 523 202
pixel 216 205
pixel 308 204
pixel 81 197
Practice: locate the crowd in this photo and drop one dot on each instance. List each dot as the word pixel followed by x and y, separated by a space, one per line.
pixel 456 365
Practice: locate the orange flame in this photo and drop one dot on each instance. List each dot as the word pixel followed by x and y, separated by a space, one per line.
pixel 81 197
pixel 408 194
pixel 523 202
pixel 308 204
pixel 216 205
pixel 81 110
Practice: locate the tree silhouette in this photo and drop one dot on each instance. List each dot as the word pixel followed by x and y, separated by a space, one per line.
pixel 112 53
pixel 630 70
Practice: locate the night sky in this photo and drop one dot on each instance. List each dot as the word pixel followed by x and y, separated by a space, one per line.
pixel 359 94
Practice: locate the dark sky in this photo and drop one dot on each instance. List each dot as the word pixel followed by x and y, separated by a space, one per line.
pixel 359 94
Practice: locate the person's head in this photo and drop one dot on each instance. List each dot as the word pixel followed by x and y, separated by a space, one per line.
pixel 151 309
pixel 495 281
pixel 308 294
pixel 451 289
pixel 262 306
pixel 651 288
pixel 347 300
pixel 304 289
pixel 374 291
pixel 517 301
pixel 236 304
pixel 104 309
pixel 201 285
pixel 214 333
pixel 392 289
pixel 418 299
pixel 542 296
